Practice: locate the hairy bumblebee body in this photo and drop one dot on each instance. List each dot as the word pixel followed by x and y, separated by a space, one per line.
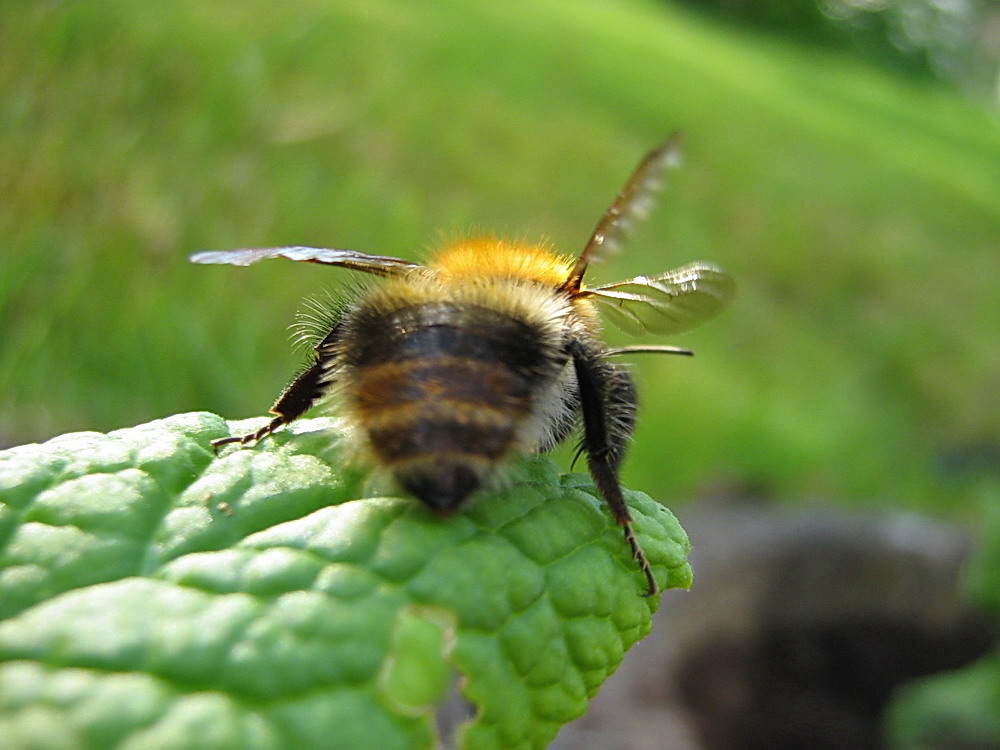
pixel 490 350
pixel 447 374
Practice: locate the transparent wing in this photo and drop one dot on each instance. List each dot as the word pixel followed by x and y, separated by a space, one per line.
pixel 632 204
pixel 667 303
pixel 380 265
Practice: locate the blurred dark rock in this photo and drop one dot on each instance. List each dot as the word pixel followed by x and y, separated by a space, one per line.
pixel 798 628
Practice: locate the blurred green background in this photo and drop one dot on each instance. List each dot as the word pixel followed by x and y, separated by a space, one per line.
pixel 848 180
pixel 857 206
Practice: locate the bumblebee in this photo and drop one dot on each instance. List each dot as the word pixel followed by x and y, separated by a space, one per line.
pixel 490 350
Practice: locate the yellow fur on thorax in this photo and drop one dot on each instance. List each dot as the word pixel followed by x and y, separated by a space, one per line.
pixel 513 278
pixel 490 257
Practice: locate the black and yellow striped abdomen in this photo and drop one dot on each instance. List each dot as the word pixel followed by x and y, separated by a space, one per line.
pixel 442 391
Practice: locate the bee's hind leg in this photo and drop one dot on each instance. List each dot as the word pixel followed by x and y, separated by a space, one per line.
pixel 608 402
pixel 297 398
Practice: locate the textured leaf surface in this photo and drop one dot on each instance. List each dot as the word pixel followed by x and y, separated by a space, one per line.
pixel 154 596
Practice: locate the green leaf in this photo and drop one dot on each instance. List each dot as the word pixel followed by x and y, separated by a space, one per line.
pixel 156 596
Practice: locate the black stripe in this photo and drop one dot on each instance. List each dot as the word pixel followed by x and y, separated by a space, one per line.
pixel 425 436
pixel 442 329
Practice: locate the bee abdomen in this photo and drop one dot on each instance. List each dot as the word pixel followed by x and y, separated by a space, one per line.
pixel 442 391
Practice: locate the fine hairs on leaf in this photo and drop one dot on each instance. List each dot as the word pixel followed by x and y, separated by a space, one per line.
pixel 154 595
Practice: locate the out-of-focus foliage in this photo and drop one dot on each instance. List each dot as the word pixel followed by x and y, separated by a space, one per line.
pixel 958 40
pixel 857 211
pixel 962 709
pixel 955 39
pixel 805 20
pixel 957 710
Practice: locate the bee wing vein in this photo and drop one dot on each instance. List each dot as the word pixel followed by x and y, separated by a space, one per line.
pixel 669 302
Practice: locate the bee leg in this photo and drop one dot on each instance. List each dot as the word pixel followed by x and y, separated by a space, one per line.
pixel 607 400
pixel 294 401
